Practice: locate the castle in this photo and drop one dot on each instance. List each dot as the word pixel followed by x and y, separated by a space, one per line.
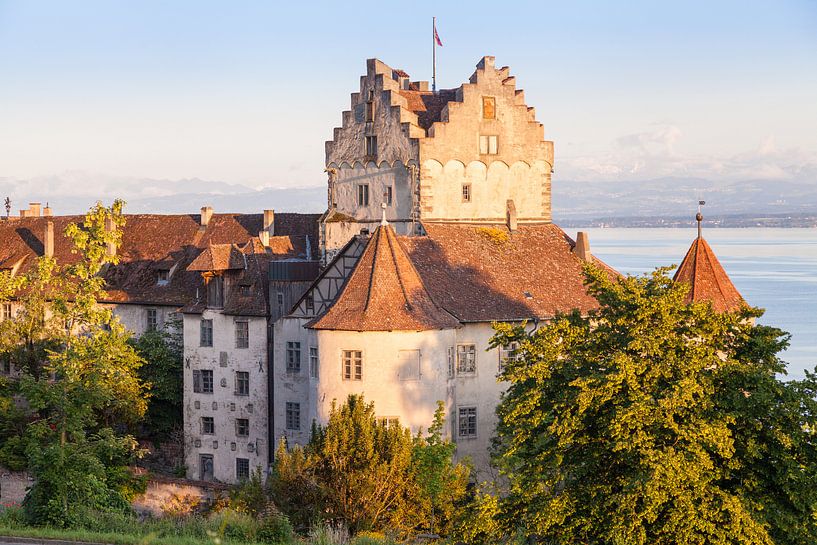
pixel 438 223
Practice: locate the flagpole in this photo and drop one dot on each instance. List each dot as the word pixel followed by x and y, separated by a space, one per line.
pixel 434 54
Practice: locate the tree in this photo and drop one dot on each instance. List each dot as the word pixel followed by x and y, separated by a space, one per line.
pixel 79 377
pixel 773 424
pixel 162 352
pixel 442 482
pixel 369 474
pixel 610 430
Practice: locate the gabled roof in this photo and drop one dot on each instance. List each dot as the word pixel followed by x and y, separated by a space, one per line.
pixel 219 257
pixel 384 293
pixel 707 279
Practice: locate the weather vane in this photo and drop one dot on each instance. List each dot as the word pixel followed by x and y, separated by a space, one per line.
pixel 8 207
pixel 699 217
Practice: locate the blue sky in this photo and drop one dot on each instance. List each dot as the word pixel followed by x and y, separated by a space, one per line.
pixel 247 92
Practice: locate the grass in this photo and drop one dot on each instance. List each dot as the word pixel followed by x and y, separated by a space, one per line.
pixel 105 537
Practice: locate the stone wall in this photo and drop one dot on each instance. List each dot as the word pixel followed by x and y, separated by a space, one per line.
pixel 165 493
pixel 13 486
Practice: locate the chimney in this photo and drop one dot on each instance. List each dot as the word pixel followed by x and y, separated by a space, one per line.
pixel 110 249
pixel 264 237
pixel 510 215
pixel 206 214
pixel 269 222
pixel 47 212
pixel 582 248
pixel 48 240
pixel 34 209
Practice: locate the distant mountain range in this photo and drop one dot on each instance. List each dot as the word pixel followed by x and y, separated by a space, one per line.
pixel 657 202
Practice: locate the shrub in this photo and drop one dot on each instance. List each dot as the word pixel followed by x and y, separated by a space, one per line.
pixel 275 529
pixel 11 516
pixel 233 525
pixel 329 534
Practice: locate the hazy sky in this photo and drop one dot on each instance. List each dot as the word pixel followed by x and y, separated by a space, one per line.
pixel 247 92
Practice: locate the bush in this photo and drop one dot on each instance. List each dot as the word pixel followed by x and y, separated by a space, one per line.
pixel 275 529
pixel 11 516
pixel 233 525
pixel 372 538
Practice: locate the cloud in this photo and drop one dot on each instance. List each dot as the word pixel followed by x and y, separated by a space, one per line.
pixel 654 153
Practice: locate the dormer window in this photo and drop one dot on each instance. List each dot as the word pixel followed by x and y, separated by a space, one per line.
pixel 215 292
pixel 162 277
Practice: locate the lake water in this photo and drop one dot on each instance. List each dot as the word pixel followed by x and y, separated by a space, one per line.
pixel 775 269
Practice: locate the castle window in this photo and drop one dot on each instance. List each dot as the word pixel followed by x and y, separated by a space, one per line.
pixel 466 359
pixel 205 467
pixel 313 361
pixel 162 277
pixel 208 426
pixel 280 299
pixel 242 469
pixel 203 381
pixel 488 107
pixel 293 416
pixel 310 303
pixel 242 334
pixel 242 427
pixel 363 194
pixel 451 362
pixel 6 312
pixel 352 361
pixel 488 144
pixel 467 422
pixel 206 333
pixel 242 383
pixel 371 146
pixel 370 107
pixel 507 353
pixel 466 192
pixel 388 195
pixel 293 357
pixel 152 319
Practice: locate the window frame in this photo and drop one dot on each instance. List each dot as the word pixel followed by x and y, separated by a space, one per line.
pixel 162 277
pixel 509 352
pixel 151 319
pixel 242 473
pixel 463 367
pixel 293 357
pixel 467 194
pixel 292 416
pixel 203 458
pixel 371 146
pixel 5 312
pixel 388 195
pixel 215 291
pixel 242 424
pixel 471 418
pixel 208 422
pixel 242 383
pixel 199 381
pixel 314 362
pixel 488 144
pixel 362 194
pixel 242 341
pixel 206 324
pixel 355 365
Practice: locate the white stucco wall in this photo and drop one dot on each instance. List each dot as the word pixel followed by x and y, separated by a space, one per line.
pixel 134 316
pixel 223 404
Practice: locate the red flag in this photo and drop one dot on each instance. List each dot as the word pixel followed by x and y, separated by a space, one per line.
pixel 437 36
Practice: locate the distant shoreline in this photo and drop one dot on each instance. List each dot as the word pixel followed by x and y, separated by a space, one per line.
pixel 780 221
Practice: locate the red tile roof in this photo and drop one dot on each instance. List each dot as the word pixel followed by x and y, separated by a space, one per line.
pixel 488 273
pixel 384 293
pixel 218 257
pixel 428 105
pixel 152 240
pixel 707 279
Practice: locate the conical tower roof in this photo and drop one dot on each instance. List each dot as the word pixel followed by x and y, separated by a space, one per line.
pixel 707 279
pixel 384 293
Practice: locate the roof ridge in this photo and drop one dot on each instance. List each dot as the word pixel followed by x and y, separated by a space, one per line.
pixel 400 281
pixel 371 271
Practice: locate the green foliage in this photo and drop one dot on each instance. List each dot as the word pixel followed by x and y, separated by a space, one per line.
pixel 611 430
pixel 13 422
pixel 275 529
pixel 366 474
pixel 78 377
pixel 442 483
pixel 251 495
pixel 162 352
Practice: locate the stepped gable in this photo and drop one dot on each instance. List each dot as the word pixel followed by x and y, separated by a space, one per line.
pixel 707 279
pixel 384 293
pixel 427 106
pixel 488 273
pixel 153 242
